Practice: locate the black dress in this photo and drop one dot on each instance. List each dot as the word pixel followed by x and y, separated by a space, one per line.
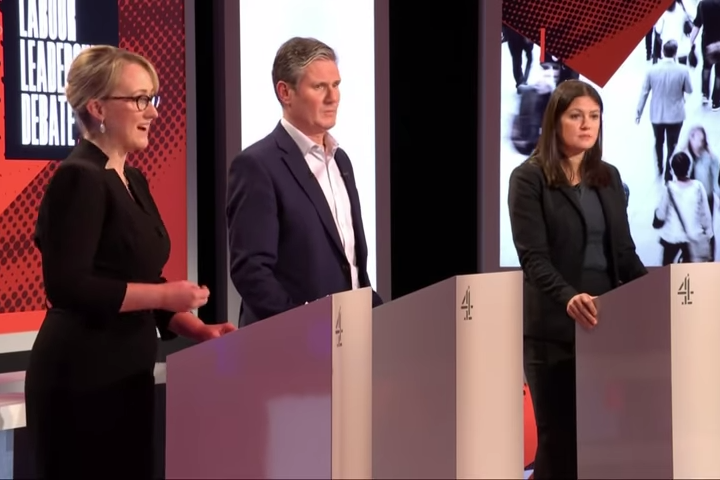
pixel 89 384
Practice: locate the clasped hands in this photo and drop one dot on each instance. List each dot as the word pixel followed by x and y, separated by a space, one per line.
pixel 583 310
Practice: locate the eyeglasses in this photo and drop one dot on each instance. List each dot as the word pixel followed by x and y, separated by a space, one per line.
pixel 141 101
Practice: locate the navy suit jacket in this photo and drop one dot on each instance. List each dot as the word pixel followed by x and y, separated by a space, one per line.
pixel 285 248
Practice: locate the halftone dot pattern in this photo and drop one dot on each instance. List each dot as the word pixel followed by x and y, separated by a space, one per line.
pixel 574 27
pixel 21 287
pixel 156 30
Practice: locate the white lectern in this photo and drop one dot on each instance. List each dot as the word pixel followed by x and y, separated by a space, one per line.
pixel 287 397
pixel 648 397
pixel 448 381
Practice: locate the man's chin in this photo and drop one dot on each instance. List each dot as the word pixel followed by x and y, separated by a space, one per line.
pixel 328 125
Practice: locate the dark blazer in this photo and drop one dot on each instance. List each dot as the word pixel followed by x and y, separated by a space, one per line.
pixel 285 249
pixel 549 232
pixel 94 239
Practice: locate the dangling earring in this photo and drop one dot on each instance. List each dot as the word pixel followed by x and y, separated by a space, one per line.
pixel 102 126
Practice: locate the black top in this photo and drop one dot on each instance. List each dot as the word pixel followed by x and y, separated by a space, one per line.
pixel 95 238
pixel 595 258
pixel 708 16
pixel 549 232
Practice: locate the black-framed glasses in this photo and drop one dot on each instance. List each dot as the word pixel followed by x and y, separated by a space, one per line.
pixel 141 101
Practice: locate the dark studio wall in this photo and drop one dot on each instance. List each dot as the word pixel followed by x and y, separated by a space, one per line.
pixel 433 142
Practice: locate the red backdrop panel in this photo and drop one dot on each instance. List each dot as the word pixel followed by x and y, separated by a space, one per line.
pixel 594 37
pixel 157 31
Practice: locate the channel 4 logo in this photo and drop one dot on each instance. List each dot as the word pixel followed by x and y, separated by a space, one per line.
pixel 685 291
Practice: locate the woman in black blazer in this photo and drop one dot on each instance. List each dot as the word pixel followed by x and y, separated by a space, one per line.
pixel 89 387
pixel 570 228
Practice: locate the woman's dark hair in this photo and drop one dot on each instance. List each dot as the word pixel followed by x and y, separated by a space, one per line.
pixel 680 164
pixel 549 154
pixel 697 129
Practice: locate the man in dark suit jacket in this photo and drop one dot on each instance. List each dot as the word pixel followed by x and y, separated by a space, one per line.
pixel 293 210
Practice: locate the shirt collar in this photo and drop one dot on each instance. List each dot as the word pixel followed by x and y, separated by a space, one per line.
pixel 304 142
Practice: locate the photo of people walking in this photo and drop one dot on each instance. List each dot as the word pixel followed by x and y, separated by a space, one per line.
pixel 661 129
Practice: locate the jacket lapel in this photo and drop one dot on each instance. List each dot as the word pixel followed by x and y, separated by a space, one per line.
pixel 292 156
pixel 344 166
pixel 140 195
pixel 606 200
pixel 572 197
pixel 610 204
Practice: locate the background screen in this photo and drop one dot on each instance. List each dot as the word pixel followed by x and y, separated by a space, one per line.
pixel 629 146
pixel 347 27
pixel 39 40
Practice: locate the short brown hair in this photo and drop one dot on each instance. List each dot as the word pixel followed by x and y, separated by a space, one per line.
pixel 549 153
pixel 94 74
pixel 294 55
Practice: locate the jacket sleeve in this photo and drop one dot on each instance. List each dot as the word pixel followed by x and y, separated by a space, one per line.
pixel 530 235
pixel 253 237
pixel 162 320
pixel 67 233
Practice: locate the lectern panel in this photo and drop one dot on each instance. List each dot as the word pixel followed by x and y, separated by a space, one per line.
pixel 647 400
pixel 287 397
pixel 448 381
pixel 693 293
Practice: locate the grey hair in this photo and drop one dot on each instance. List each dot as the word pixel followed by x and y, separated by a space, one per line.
pixel 294 55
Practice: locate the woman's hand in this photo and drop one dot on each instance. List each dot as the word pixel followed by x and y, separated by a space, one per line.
pixel 183 296
pixel 208 332
pixel 582 309
pixel 189 326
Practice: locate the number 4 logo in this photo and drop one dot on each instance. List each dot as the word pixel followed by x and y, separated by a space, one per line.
pixel 338 328
pixel 467 305
pixel 685 291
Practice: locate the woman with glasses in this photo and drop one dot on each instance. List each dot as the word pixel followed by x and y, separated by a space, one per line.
pixel 90 386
